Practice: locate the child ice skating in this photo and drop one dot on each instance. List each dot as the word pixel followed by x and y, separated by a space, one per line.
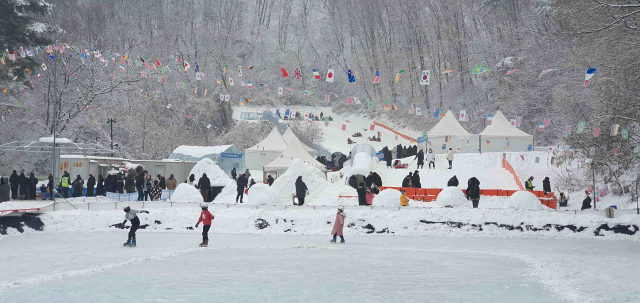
pixel 338 225
pixel 205 217
pixel 130 214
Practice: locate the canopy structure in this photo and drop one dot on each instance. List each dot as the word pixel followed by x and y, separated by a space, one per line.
pixel 261 154
pixel 448 133
pixel 502 136
pixel 227 157
pixel 295 150
pixel 45 145
pixel 288 136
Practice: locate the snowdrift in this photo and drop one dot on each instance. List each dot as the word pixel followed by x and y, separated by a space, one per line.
pixel 186 193
pixel 452 196
pixel 321 192
pixel 387 197
pixel 263 194
pixel 216 175
pixel 524 200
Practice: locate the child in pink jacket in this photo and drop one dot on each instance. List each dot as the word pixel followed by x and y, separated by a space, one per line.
pixel 338 225
pixel 369 197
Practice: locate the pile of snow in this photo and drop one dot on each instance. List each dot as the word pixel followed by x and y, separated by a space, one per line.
pixel 451 196
pixel 58 140
pixel 261 193
pixel 524 200
pixel 186 193
pixel 321 192
pixel 387 197
pixel 216 175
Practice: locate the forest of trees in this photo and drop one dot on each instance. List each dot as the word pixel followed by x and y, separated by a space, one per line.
pixel 567 36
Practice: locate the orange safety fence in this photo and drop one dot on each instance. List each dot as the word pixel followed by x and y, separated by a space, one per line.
pixel 506 165
pixel 394 131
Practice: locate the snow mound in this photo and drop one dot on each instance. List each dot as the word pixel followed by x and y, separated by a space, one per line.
pixel 321 192
pixel 387 197
pixel 228 193
pixel 451 196
pixel 58 140
pixel 524 200
pixel 262 193
pixel 216 175
pixel 186 193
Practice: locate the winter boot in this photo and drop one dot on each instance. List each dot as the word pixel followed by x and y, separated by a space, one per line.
pixel 128 243
pixel 341 239
pixel 333 240
pixel 133 242
pixel 205 243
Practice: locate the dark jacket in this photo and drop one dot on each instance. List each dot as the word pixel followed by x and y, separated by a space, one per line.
pixel 353 182
pixel 368 181
pixel 204 183
pixel 453 182
pixel 473 190
pixel 241 183
pixel 270 180
pixel 376 179
pixel 130 183
pixel 119 185
pixel 234 173
pixel 406 182
pixel 155 192
pixel 77 188
pixel 140 181
pixel 586 203
pixel 14 180
pixel 362 196
pixel 301 189
pixel 415 181
pixel 50 185
pixel 33 183
pixel 110 184
pixel 546 185
pixel 162 183
pixel 24 183
pixel 91 182
pixel 5 190
pixel 100 188
pixel 420 157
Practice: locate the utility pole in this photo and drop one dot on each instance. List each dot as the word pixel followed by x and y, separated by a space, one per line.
pixel 112 121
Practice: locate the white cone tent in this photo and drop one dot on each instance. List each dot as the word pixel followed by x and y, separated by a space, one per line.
pixel 448 133
pixel 264 152
pixel 295 150
pixel 288 136
pixel 504 137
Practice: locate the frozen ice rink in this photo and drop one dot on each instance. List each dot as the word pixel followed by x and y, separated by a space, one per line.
pixel 170 267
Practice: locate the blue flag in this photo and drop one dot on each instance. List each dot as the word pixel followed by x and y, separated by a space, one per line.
pixel 436 113
pixel 277 112
pixel 288 112
pixel 52 57
pixel 352 76
pixel 197 67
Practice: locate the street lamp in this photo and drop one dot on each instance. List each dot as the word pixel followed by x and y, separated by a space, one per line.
pixel 112 122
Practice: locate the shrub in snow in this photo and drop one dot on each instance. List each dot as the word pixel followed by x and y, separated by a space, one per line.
pixel 451 196
pixel 216 175
pixel 524 200
pixel 262 193
pixel 387 197
pixel 186 193
pixel 321 192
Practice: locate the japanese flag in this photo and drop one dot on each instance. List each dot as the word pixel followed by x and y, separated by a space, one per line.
pixel 279 90
pixel 513 122
pixel 44 66
pixel 169 106
pixel 330 75
pixel 186 65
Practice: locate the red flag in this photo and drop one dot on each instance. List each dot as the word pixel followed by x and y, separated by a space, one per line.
pixel 372 127
pixel 157 62
pixel 344 127
pixel 284 72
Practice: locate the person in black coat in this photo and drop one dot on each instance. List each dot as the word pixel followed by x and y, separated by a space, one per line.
pixel 546 186
pixel 13 179
pixel 270 180
pixel 91 182
pixel 353 182
pixel 140 185
pixel 586 203
pixel 473 191
pixel 234 174
pixel 415 180
pixel 100 187
pixel 33 184
pixel 398 151
pixel 204 184
pixel 162 182
pixel 24 183
pixel 406 182
pixel 301 190
pixel 77 186
pixel 376 179
pixel 241 184
pixel 453 182
pixel 362 194
pixel 5 190
pixel 369 180
pixel 50 187
pixel 420 157
pixel 110 184
pixel 388 157
pixel 119 184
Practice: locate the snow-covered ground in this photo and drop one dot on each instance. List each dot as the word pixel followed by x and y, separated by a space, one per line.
pixel 169 267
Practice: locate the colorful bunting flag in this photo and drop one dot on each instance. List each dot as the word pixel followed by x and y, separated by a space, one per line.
pixel 356 100
pixel 449 71
pixel 386 106
pixel 280 91
pixel 581 126
pixel 625 134
pixel 614 129
pixel 436 112
pixel 418 111
pixel 426 77
pixel 596 131
pixel 316 75
pixel 541 126
pixel 371 104
pixel 284 72
pixel 329 75
pixel 489 119
pixel 587 77
pixel 394 107
pixel 298 74
pixel 592 151
pixel 463 115
pixel 376 76
pixel 412 109
pixel 547 122
pixel 399 75
pixel 513 71
pixel 351 75
pixel 567 129
pixel 480 70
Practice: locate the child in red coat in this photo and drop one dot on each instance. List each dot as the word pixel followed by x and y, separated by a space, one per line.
pixel 205 217
pixel 338 225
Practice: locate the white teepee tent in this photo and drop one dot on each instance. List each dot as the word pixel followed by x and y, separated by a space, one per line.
pixel 288 136
pixel 502 136
pixel 295 150
pixel 448 133
pixel 264 152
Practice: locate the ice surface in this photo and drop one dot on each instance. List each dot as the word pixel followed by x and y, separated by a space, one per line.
pixel 524 200
pixel 186 193
pixel 169 267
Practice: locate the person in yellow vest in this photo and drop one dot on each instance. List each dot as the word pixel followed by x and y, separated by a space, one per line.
pixel 404 201
pixel 528 185
pixel 64 184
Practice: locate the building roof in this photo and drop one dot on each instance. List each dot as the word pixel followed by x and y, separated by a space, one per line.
pixel 273 142
pixel 501 127
pixel 448 126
